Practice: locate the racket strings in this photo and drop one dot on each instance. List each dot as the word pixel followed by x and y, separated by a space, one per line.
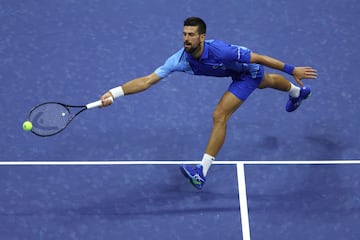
pixel 49 118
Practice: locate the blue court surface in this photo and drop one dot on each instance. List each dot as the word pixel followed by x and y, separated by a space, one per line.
pixel 278 176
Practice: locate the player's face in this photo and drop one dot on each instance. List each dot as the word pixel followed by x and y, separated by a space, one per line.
pixel 192 39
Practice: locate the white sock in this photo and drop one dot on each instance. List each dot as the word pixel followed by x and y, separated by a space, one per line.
pixel 294 91
pixel 206 163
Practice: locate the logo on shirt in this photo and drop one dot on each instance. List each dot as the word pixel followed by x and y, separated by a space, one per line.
pixel 221 66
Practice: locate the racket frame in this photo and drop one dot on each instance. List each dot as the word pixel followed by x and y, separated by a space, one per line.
pixel 71 117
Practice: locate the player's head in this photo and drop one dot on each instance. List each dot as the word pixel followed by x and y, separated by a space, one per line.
pixel 194 34
pixel 196 22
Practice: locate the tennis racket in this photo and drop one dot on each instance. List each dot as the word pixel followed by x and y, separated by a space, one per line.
pixel 50 118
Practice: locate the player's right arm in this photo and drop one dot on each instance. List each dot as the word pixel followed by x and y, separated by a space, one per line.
pixel 133 86
pixel 140 84
pixel 176 62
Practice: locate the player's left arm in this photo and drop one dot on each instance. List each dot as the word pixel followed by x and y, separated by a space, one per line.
pixel 298 73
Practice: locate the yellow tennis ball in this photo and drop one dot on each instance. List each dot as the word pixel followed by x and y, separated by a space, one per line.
pixel 27 126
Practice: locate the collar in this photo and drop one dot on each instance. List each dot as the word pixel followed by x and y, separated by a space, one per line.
pixel 205 53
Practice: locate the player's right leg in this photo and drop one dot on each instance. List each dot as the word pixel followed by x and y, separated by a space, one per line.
pixel 296 94
pixel 275 81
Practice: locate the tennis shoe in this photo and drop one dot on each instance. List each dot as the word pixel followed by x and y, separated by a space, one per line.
pixel 294 102
pixel 194 174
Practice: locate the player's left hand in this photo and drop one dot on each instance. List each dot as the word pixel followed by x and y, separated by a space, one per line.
pixel 304 73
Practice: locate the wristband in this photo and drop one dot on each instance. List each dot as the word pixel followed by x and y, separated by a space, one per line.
pixel 117 92
pixel 289 69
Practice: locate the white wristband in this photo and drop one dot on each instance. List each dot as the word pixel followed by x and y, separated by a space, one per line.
pixel 117 92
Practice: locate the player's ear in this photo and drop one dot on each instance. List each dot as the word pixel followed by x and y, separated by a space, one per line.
pixel 202 37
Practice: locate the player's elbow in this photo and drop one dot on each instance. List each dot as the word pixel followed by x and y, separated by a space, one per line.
pixel 150 80
pixel 144 84
pixel 141 84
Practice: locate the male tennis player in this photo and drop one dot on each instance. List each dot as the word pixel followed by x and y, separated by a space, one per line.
pixel 217 58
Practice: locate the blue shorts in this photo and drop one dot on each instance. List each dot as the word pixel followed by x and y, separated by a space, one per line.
pixel 243 86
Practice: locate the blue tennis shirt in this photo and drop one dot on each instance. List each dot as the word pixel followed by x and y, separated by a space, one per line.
pixel 219 59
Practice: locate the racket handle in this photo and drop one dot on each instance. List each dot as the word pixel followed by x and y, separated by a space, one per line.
pixel 97 103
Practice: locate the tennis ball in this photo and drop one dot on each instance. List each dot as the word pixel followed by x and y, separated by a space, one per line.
pixel 27 126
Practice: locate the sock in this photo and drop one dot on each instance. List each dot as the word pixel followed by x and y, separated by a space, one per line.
pixel 294 91
pixel 206 163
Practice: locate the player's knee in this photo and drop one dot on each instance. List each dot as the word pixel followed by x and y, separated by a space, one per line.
pixel 220 116
pixel 267 82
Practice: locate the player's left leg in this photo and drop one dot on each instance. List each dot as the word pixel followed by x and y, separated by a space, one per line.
pixel 227 105
pixel 238 91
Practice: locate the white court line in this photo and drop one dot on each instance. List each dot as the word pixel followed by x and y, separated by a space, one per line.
pixel 244 213
pixel 176 162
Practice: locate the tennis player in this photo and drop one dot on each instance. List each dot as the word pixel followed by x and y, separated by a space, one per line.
pixel 216 58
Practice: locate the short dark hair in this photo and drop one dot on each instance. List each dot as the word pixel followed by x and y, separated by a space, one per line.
pixel 195 21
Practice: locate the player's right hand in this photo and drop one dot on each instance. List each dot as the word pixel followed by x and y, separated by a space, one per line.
pixel 107 99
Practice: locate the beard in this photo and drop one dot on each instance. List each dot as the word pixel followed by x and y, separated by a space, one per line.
pixel 189 48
